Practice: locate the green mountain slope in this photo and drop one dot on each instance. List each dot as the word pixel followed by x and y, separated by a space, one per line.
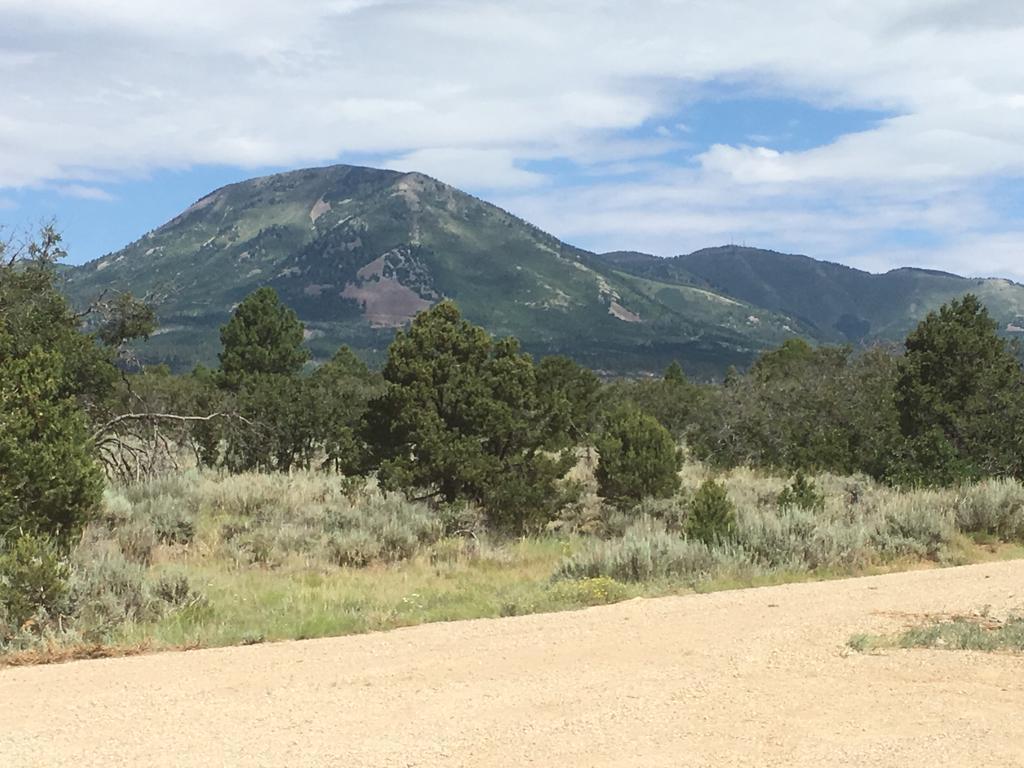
pixel 836 303
pixel 358 251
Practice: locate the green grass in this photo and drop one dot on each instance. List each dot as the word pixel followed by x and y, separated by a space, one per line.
pixel 245 605
pixel 293 601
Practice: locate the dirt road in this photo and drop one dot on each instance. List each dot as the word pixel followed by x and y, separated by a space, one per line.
pixel 747 678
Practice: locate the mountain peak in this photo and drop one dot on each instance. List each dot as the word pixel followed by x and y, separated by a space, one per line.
pixel 358 251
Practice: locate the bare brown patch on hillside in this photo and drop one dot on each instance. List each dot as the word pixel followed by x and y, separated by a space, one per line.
pixel 320 207
pixel 386 302
pixel 619 311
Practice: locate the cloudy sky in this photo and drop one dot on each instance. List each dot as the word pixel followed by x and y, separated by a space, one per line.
pixel 878 133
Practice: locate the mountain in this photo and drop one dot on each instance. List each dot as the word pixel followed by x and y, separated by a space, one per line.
pixel 835 303
pixel 357 252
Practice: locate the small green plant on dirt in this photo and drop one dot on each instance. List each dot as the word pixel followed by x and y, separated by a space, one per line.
pixel 601 590
pixel 959 633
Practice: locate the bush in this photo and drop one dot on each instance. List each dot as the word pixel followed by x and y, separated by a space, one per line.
pixel 994 508
pixel 172 523
pixel 136 538
pixel 384 528
pixel 33 577
pixel 50 482
pixel 646 552
pixel 916 525
pixel 802 493
pixel 796 539
pixel 176 591
pixel 107 589
pixel 353 548
pixel 712 515
pixel 674 512
pixel 638 459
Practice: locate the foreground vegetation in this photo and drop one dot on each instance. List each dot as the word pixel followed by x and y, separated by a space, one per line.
pixel 208 559
pixel 465 478
pixel 957 633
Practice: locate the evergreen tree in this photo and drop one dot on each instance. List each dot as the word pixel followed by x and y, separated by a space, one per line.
pixel 263 336
pixel 341 390
pixel 461 419
pixel 35 315
pixel 570 394
pixel 674 374
pixel 638 458
pixel 260 363
pixel 817 409
pixel 277 430
pixel 786 361
pixel 50 373
pixel 712 515
pixel 961 384
pixel 50 481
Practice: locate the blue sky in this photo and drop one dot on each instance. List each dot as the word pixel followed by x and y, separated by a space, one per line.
pixel 104 216
pixel 878 134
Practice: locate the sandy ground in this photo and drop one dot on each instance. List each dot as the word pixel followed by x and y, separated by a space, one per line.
pixel 746 678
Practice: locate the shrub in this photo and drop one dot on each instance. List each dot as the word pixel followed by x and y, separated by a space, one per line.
pixel 172 523
pixel 353 548
pixel 33 576
pixel 107 589
pixel 646 552
pixel 797 539
pixel 993 507
pixel 917 525
pixel 802 493
pixel 673 512
pixel 176 591
pixel 137 539
pixel 382 528
pixel 638 459
pixel 712 515
pixel 50 482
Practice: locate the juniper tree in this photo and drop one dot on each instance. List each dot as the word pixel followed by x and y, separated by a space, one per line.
pixel 263 336
pixel 461 418
pixel 638 458
pixel 960 396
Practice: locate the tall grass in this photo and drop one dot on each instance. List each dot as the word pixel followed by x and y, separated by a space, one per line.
pixel 202 558
pixel 859 524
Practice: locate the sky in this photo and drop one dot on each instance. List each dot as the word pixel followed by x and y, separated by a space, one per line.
pixel 876 133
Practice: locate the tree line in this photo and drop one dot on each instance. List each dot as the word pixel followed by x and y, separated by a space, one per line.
pixel 459 416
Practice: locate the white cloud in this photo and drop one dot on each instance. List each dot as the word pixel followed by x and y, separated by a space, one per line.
pixel 83 192
pixel 493 169
pixel 475 90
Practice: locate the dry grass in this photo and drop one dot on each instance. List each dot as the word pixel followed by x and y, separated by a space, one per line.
pixel 203 559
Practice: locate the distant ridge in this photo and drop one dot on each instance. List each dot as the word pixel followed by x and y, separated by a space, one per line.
pixel 840 303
